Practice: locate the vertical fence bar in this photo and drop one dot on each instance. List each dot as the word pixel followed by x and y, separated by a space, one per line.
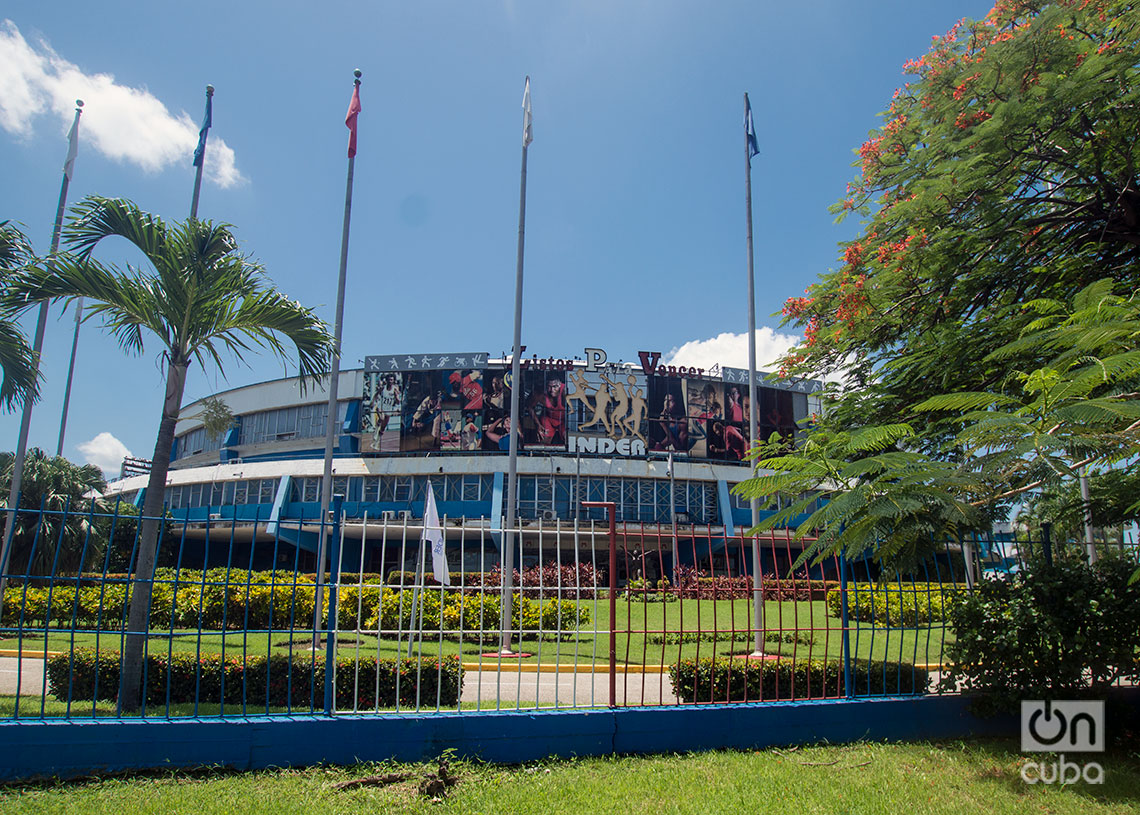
pixel 610 508
pixel 334 579
pixel 848 688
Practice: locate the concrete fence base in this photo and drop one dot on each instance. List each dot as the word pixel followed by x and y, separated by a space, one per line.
pixel 68 748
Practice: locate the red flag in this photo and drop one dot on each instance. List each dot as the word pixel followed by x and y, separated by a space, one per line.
pixel 350 119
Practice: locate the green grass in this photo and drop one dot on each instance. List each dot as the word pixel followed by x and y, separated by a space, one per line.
pixel 917 779
pixel 637 623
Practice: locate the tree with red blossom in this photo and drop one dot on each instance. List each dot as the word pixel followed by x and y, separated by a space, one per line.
pixel 986 315
pixel 1007 169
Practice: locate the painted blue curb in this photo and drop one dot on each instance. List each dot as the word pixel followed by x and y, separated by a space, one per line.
pixel 34 748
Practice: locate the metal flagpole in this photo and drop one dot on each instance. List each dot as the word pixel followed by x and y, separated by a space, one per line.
pixel 508 554
pixel 200 150
pixel 750 149
pixel 37 348
pixel 334 376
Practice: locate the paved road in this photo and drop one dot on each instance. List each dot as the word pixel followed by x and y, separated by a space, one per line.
pixel 30 676
pixel 566 688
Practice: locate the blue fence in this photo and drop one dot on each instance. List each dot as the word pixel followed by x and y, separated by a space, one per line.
pixel 242 626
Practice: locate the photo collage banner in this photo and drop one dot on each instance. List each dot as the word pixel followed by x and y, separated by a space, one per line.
pixel 613 411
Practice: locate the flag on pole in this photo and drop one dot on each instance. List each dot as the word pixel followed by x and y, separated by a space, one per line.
pixel 669 466
pixel 749 130
pixel 350 122
pixel 528 124
pixel 72 145
pixel 433 536
pixel 207 121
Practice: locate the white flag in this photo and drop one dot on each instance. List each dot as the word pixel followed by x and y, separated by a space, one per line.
pixel 528 125
pixel 433 536
pixel 72 146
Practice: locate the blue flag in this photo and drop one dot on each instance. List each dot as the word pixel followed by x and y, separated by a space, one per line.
pixel 749 130
pixel 207 120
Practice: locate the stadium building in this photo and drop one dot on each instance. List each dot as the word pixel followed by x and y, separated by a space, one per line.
pixel 663 443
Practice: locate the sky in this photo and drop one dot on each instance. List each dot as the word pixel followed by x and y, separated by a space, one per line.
pixel 635 216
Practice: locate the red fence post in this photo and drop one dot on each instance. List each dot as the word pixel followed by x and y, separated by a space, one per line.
pixel 610 508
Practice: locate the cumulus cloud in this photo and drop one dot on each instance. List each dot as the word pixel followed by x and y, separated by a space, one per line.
pixel 123 123
pixel 732 350
pixel 105 452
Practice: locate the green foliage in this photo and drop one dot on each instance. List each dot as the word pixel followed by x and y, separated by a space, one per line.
pixel 913 606
pixel 899 504
pixel 259 682
pixel 1062 631
pixel 742 680
pixel 896 494
pixel 17 362
pixel 56 539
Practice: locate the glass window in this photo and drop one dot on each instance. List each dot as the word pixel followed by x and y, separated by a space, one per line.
pixel 471 485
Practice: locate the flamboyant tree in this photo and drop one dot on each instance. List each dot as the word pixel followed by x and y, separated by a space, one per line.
pixel 1007 169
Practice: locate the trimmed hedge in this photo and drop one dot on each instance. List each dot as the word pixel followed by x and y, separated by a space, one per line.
pixel 279 681
pixel 909 606
pixel 743 680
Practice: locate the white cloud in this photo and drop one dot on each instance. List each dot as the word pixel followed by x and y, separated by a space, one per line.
pixel 105 452
pixel 732 350
pixel 124 124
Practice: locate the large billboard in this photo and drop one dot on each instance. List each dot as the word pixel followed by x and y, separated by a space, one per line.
pixel 430 402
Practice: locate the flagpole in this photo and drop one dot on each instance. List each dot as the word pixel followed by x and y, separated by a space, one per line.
pixel 753 407
pixel 508 554
pixel 334 380
pixel 200 153
pixel 37 348
pixel 72 151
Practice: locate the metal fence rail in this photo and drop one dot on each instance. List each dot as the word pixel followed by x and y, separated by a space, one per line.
pixel 602 615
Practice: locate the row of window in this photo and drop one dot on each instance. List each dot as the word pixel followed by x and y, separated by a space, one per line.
pixel 281 424
pixel 544 496
pixel 222 493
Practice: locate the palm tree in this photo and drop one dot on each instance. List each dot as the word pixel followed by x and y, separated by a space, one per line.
pixel 16 358
pixel 203 299
pixel 53 540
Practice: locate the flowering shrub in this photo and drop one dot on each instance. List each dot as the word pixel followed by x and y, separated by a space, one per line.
pixel 697 584
pixel 916 605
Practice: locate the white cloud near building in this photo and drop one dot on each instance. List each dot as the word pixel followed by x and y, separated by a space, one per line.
pixel 124 124
pixel 732 350
pixel 105 452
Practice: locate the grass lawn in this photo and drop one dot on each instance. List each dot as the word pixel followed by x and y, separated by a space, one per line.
pixel 916 779
pixel 724 627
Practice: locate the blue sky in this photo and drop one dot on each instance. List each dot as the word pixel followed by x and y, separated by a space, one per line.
pixel 635 205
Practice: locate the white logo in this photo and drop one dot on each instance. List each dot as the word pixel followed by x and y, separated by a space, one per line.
pixel 1059 727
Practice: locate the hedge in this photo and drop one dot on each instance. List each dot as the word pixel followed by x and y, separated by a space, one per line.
pixel 743 680
pixel 221 599
pixel 910 606
pixel 278 681
pixel 456 611
pixel 576 581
